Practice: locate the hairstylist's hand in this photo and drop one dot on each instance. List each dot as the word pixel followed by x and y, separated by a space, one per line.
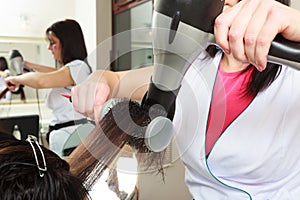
pixel 11 83
pixel 89 97
pixel 247 29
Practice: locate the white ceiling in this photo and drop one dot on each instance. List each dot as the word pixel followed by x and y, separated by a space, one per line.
pixel 31 17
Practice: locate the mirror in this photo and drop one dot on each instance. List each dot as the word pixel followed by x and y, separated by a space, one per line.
pixel 33 50
pixel 132 43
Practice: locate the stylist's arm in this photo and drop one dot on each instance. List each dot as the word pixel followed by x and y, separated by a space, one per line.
pixel 89 96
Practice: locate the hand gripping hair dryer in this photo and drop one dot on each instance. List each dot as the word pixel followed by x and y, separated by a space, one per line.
pixel 181 29
pixel 15 68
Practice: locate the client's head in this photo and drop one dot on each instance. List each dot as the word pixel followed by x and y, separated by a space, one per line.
pixel 29 171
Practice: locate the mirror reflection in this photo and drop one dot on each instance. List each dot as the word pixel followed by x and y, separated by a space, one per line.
pixel 33 50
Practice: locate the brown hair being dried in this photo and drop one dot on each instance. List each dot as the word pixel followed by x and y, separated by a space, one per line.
pixel 21 178
pixel 125 123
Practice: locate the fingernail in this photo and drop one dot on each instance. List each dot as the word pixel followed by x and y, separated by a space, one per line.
pixel 227 51
pixel 260 68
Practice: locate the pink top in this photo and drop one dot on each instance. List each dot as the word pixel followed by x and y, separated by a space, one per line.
pixel 228 102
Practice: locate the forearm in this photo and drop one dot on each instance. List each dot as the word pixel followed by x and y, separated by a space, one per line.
pixel 31 79
pixel 38 67
pixel 133 84
pixel 56 79
pixel 292 31
pixel 124 84
pixel 42 68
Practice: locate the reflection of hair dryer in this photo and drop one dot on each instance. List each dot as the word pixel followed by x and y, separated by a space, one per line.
pixel 16 68
pixel 182 28
pixel 16 62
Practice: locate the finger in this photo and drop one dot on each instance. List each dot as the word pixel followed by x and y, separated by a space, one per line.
pixel 255 25
pixel 87 101
pixel 11 85
pixel 75 99
pixel 91 115
pixel 222 26
pixel 238 28
pixel 12 88
pixel 265 38
pixel 96 116
pixel 79 95
pixel 221 34
pixel 101 95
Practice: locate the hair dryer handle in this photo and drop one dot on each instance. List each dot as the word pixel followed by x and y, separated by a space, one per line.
pixel 285 52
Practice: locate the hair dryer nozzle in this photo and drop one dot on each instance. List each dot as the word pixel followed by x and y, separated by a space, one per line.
pixel 14 53
pixel 16 62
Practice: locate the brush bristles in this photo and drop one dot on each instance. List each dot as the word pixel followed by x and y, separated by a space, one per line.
pixel 125 123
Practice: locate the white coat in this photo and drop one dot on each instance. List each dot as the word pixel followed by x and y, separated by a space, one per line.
pixel 62 108
pixel 258 156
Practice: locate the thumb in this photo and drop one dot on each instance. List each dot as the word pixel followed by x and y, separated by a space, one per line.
pixel 101 96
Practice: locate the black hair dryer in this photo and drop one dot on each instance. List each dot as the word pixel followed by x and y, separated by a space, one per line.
pixel 181 29
pixel 16 68
pixel 16 63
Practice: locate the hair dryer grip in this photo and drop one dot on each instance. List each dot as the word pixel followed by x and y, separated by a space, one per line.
pixel 283 51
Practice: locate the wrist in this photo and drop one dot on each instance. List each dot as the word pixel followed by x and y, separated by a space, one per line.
pixel 292 29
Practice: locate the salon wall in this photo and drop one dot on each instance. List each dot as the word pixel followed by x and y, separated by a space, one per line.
pixel 29 18
pixel 295 4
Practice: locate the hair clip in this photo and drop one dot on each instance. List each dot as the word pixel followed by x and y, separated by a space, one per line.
pixel 32 139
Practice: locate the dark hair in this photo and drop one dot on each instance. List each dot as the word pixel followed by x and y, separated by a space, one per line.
pixel 260 80
pixel 20 178
pixel 3 63
pixel 125 123
pixel 71 38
